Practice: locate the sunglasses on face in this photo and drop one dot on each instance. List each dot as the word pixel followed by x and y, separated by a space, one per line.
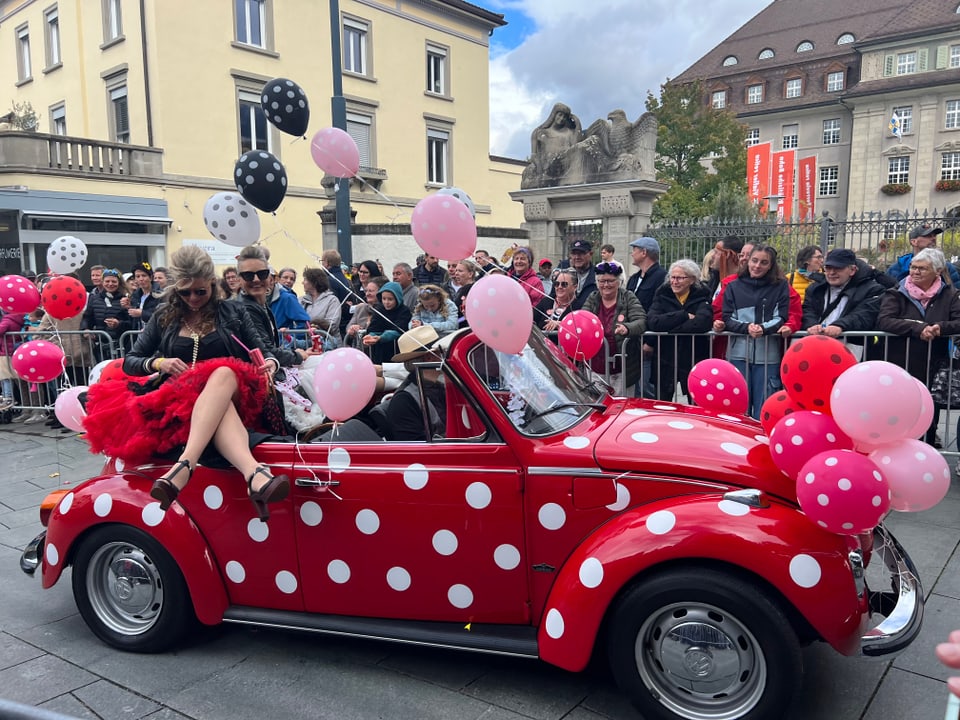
pixel 261 275
pixel 187 292
pixel 563 284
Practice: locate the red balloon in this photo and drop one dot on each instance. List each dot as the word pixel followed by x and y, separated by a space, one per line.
pixel 810 367
pixel 37 361
pixel 17 294
pixel 114 371
pixel 775 407
pixel 64 297
pixel 801 435
pixel 843 492
pixel 717 385
pixel 581 335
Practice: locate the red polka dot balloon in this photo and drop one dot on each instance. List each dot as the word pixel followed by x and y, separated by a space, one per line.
pixel 800 435
pixel 64 297
pixel 17 294
pixel 37 361
pixel 717 385
pixel 843 492
pixel 775 407
pixel 811 366
pixel 580 335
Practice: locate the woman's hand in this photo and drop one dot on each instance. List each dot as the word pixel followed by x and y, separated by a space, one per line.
pixel 371 339
pixel 719 326
pixel 551 325
pixel 352 330
pixel 930 332
pixel 785 331
pixel 125 301
pixel 415 323
pixel 112 323
pixel 754 330
pixel 135 312
pixel 620 329
pixel 172 366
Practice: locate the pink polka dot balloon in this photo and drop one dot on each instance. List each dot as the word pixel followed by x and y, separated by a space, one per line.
pixel 919 477
pixel 499 313
pixel 335 152
pixel 343 383
pixel 800 435
pixel 17 294
pixel 37 361
pixel 876 402
pixel 444 227
pixel 843 492
pixel 717 385
pixel 919 428
pixel 580 335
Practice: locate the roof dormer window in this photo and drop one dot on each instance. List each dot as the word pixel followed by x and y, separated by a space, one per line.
pixel 805 46
pixel 730 60
pixel 765 54
pixel 845 39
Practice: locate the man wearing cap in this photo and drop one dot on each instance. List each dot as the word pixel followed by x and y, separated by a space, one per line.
pixel 545 271
pixel 581 257
pixel 847 298
pixel 921 237
pixel 650 276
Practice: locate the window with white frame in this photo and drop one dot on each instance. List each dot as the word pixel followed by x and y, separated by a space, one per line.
pixel 437 70
pixel 954 56
pixel 829 185
pixel 355 35
pixel 789 137
pixel 254 127
pixel 52 31
pixel 754 94
pixel 112 20
pixel 438 156
pixel 805 46
pixel 793 88
pixel 730 60
pixel 360 128
pixel 952 117
pixel 950 166
pixel 718 99
pixel 753 137
pixel 835 81
pixel 251 19
pixel 845 38
pixel 24 69
pixel 905 113
pixel 119 117
pixel 831 131
pixel 898 170
pixel 906 63
pixel 58 120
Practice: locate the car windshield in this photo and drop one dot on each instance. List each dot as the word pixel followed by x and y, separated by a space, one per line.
pixel 540 393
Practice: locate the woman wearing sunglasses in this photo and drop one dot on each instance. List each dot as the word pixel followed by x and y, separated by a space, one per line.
pixel 207 392
pixel 551 310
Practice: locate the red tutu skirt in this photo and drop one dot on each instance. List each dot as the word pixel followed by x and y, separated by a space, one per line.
pixel 136 427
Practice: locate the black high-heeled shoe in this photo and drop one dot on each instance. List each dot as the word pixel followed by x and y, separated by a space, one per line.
pixel 276 489
pixel 163 488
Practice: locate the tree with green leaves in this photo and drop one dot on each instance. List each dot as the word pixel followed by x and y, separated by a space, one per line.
pixel 700 150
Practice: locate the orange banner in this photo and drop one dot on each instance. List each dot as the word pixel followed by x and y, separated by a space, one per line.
pixel 758 173
pixel 806 188
pixel 783 163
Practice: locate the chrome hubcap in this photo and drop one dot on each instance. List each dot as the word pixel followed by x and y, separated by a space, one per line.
pixel 125 588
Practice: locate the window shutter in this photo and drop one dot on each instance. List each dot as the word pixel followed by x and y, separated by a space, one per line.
pixel 889 62
pixel 358 127
pixel 922 59
pixel 943 56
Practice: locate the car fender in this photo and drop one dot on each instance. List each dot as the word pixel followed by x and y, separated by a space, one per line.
pixel 115 499
pixel 808 566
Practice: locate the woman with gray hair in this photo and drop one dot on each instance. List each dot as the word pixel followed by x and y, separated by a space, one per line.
pixel 681 307
pixel 522 270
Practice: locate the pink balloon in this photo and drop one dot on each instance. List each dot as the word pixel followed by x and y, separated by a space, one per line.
pixel 876 402
pixel 843 491
pixel 581 335
pixel 37 361
pixel 717 385
pixel 335 152
pixel 802 434
pixel 17 294
pixel 499 312
pixel 919 428
pixel 68 409
pixel 444 227
pixel 343 383
pixel 919 477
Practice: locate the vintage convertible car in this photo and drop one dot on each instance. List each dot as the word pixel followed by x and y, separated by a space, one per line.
pixel 543 519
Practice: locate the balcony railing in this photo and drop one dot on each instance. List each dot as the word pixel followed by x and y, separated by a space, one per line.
pixel 40 152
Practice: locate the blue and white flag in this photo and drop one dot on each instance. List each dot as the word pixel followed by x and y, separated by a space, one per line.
pixel 896 126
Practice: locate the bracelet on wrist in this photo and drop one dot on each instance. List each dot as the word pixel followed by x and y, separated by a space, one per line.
pixel 157 362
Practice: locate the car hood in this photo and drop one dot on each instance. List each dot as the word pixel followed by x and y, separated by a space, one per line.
pixel 681 440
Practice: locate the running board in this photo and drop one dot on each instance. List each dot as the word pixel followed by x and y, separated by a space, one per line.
pixel 513 640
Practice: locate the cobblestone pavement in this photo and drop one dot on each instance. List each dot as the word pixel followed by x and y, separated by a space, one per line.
pixel 48 658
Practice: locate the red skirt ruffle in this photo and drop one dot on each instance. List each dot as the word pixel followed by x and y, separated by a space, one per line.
pixel 123 424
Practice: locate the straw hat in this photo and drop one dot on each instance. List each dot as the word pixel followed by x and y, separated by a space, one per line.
pixel 416 342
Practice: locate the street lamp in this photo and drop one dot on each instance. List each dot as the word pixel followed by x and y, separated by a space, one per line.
pixel 773 203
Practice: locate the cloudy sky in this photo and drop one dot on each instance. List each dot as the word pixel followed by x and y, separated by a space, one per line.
pixel 595 56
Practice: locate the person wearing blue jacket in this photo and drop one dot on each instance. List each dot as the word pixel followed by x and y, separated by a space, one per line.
pixel 289 314
pixel 921 237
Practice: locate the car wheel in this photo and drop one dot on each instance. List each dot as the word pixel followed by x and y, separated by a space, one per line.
pixel 702 644
pixel 130 591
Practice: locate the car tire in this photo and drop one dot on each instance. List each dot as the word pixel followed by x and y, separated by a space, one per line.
pixel 702 643
pixel 130 591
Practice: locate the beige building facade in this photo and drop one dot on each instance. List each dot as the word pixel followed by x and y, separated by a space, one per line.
pixel 144 107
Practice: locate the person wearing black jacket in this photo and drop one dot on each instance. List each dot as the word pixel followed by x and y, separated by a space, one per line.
pixel 846 298
pixel 105 312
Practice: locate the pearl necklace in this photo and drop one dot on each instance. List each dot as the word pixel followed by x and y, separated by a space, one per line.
pixel 195 335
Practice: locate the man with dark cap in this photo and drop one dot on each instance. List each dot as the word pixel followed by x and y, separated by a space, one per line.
pixel 581 260
pixel 847 298
pixel 921 237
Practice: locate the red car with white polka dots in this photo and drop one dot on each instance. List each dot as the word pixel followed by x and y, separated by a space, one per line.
pixel 544 519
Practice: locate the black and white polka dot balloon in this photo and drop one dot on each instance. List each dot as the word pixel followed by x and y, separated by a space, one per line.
pixel 285 105
pixel 66 254
pixel 261 179
pixel 461 196
pixel 231 219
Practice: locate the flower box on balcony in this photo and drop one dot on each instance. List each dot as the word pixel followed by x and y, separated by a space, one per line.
pixel 895 188
pixel 947 185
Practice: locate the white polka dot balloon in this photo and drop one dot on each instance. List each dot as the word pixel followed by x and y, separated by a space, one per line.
pixel 919 476
pixel 461 196
pixel 18 295
pixel 344 382
pixel 717 385
pixel 66 254
pixel 499 312
pixel 231 219
pixel 800 435
pixel 444 227
pixel 876 402
pixel 843 492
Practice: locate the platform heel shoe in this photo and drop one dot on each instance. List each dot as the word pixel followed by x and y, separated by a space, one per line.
pixel 275 490
pixel 164 490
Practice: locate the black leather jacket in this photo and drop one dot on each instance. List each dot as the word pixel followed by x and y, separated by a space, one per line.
pixel 156 341
pixel 263 321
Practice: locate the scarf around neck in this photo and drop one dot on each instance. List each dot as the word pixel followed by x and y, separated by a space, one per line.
pixel 919 294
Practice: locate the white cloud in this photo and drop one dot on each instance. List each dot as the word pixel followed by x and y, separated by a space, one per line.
pixel 598 56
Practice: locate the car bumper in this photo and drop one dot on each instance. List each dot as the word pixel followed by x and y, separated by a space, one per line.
pixel 30 558
pixel 902 604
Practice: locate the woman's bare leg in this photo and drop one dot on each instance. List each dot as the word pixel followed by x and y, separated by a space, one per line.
pixel 231 440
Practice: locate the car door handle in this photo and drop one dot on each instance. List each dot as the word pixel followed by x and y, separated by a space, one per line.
pixel 316 482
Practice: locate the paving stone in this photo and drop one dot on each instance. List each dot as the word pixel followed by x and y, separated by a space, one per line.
pixel 941 615
pixel 111 702
pixel 40 679
pixel 451 670
pixel 532 689
pixel 949 582
pixel 905 695
pixel 14 651
pixel 68 705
